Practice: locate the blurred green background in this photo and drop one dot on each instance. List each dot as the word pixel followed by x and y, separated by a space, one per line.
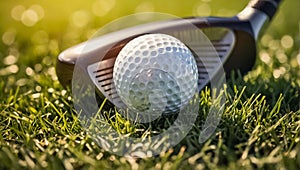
pixel 33 32
pixel 68 22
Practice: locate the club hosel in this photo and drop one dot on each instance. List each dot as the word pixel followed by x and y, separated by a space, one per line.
pixel 268 7
pixel 259 13
pixel 257 19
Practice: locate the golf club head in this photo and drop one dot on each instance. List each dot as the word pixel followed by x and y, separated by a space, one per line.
pixel 234 41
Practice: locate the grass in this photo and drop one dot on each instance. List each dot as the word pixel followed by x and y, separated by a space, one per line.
pixel 40 129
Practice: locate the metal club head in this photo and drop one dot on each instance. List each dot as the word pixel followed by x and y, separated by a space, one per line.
pixel 234 41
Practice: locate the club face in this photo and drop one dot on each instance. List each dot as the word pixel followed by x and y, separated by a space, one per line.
pixel 68 58
pixel 209 55
pixel 231 45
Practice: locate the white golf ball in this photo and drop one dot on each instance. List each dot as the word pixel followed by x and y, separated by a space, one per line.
pixel 155 72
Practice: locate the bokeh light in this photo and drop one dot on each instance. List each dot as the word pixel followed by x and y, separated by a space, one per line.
pixel 17 12
pixel 287 41
pixel 274 44
pixel 202 9
pixel 8 37
pixel 80 18
pixel 29 71
pixel 38 67
pixel 36 95
pixel 265 57
pixel 9 60
pixel 38 88
pixel 281 56
pixel 102 7
pixel 29 17
pixel 22 82
pixel 12 68
pixel 39 10
pixel 51 72
pixel 266 39
pixel 279 72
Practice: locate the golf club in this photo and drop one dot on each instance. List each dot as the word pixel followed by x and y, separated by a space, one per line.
pixel 233 38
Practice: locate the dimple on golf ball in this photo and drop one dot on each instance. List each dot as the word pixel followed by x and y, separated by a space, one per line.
pixel 155 72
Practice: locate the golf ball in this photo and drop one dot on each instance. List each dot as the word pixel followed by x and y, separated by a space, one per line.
pixel 155 72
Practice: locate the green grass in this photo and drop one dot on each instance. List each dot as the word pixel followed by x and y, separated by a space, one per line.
pixel 40 129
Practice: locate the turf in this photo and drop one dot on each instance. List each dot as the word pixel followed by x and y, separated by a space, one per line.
pixel 40 129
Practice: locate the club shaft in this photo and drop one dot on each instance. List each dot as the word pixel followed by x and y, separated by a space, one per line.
pixel 268 7
pixel 259 13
